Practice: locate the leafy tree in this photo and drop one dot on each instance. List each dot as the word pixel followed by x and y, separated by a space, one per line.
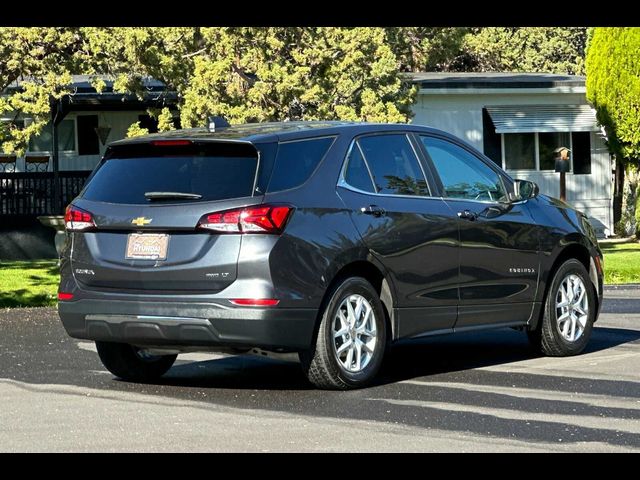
pixel 613 86
pixel 41 59
pixel 136 130
pixel 259 74
pixel 517 49
pixel 165 123
pixel 320 73
pixel 130 54
pixel 429 48
pixel 527 49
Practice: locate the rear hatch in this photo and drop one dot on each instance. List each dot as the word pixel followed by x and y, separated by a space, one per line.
pixel 146 201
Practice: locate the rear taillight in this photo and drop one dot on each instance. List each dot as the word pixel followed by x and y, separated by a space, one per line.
pixel 258 219
pixel 64 296
pixel 76 219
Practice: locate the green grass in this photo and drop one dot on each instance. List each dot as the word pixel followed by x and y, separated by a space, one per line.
pixel 35 283
pixel 28 283
pixel 621 262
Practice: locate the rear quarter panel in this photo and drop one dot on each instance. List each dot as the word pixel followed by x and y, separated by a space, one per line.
pixel 320 237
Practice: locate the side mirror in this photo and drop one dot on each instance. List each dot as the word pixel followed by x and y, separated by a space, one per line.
pixel 524 190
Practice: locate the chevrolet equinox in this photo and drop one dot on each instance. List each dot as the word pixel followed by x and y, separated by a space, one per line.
pixel 329 239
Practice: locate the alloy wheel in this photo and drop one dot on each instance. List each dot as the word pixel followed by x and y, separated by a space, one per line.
pixel 354 333
pixel 572 307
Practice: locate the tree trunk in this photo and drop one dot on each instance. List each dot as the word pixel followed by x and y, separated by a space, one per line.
pixel 617 191
pixel 628 220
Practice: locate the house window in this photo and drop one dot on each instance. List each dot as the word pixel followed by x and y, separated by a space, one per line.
pixel 520 151
pixel 88 142
pixel 66 138
pixel 536 151
pixel 547 143
pixel 581 152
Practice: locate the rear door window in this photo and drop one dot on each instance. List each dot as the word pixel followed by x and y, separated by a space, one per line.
pixel 296 161
pixel 393 165
pixel 214 171
pixel 357 173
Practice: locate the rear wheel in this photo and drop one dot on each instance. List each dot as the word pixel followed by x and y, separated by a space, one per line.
pixel 351 338
pixel 569 312
pixel 132 363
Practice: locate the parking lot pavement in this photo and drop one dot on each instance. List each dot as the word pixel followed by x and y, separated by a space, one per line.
pixel 470 392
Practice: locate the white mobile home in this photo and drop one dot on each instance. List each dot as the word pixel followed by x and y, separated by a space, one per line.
pixel 518 120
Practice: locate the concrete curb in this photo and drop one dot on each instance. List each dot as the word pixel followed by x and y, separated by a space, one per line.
pixel 623 286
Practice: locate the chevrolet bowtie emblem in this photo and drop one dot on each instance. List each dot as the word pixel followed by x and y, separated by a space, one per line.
pixel 141 221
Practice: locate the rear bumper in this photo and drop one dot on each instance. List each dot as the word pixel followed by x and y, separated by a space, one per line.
pixel 188 324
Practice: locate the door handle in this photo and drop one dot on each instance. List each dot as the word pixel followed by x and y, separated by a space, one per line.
pixel 374 210
pixel 468 215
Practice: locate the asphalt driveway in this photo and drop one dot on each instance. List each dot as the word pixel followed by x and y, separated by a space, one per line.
pixel 470 392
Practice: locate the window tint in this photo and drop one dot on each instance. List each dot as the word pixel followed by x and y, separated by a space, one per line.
pixel 463 175
pixel 394 165
pixel 296 161
pixel 216 173
pixel 519 151
pixel 357 174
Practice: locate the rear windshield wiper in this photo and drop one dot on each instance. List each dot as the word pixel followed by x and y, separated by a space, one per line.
pixel 170 195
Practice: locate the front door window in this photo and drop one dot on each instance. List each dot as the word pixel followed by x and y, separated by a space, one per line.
pixel 463 175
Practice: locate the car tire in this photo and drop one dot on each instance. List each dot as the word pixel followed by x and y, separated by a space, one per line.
pixel 569 313
pixel 338 361
pixel 130 363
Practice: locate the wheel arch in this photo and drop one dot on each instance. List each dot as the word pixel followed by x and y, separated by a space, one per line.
pixel 378 279
pixel 573 250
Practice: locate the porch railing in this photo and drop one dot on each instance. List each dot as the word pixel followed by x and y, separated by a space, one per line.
pixel 32 193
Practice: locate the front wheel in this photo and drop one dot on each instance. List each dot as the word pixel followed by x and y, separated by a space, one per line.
pixel 569 312
pixel 132 363
pixel 351 338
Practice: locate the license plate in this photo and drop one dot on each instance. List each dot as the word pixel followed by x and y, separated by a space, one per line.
pixel 147 246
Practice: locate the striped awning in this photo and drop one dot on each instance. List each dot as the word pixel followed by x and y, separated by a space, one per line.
pixel 543 118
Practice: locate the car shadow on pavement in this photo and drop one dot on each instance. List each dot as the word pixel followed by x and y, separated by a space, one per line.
pixel 443 383
pixel 465 351
pixel 419 358
pixel 490 384
pixel 237 372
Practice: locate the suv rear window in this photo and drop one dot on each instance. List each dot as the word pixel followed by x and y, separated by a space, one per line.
pixel 213 171
pixel 296 161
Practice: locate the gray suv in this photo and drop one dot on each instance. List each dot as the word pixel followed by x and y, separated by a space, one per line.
pixel 328 239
